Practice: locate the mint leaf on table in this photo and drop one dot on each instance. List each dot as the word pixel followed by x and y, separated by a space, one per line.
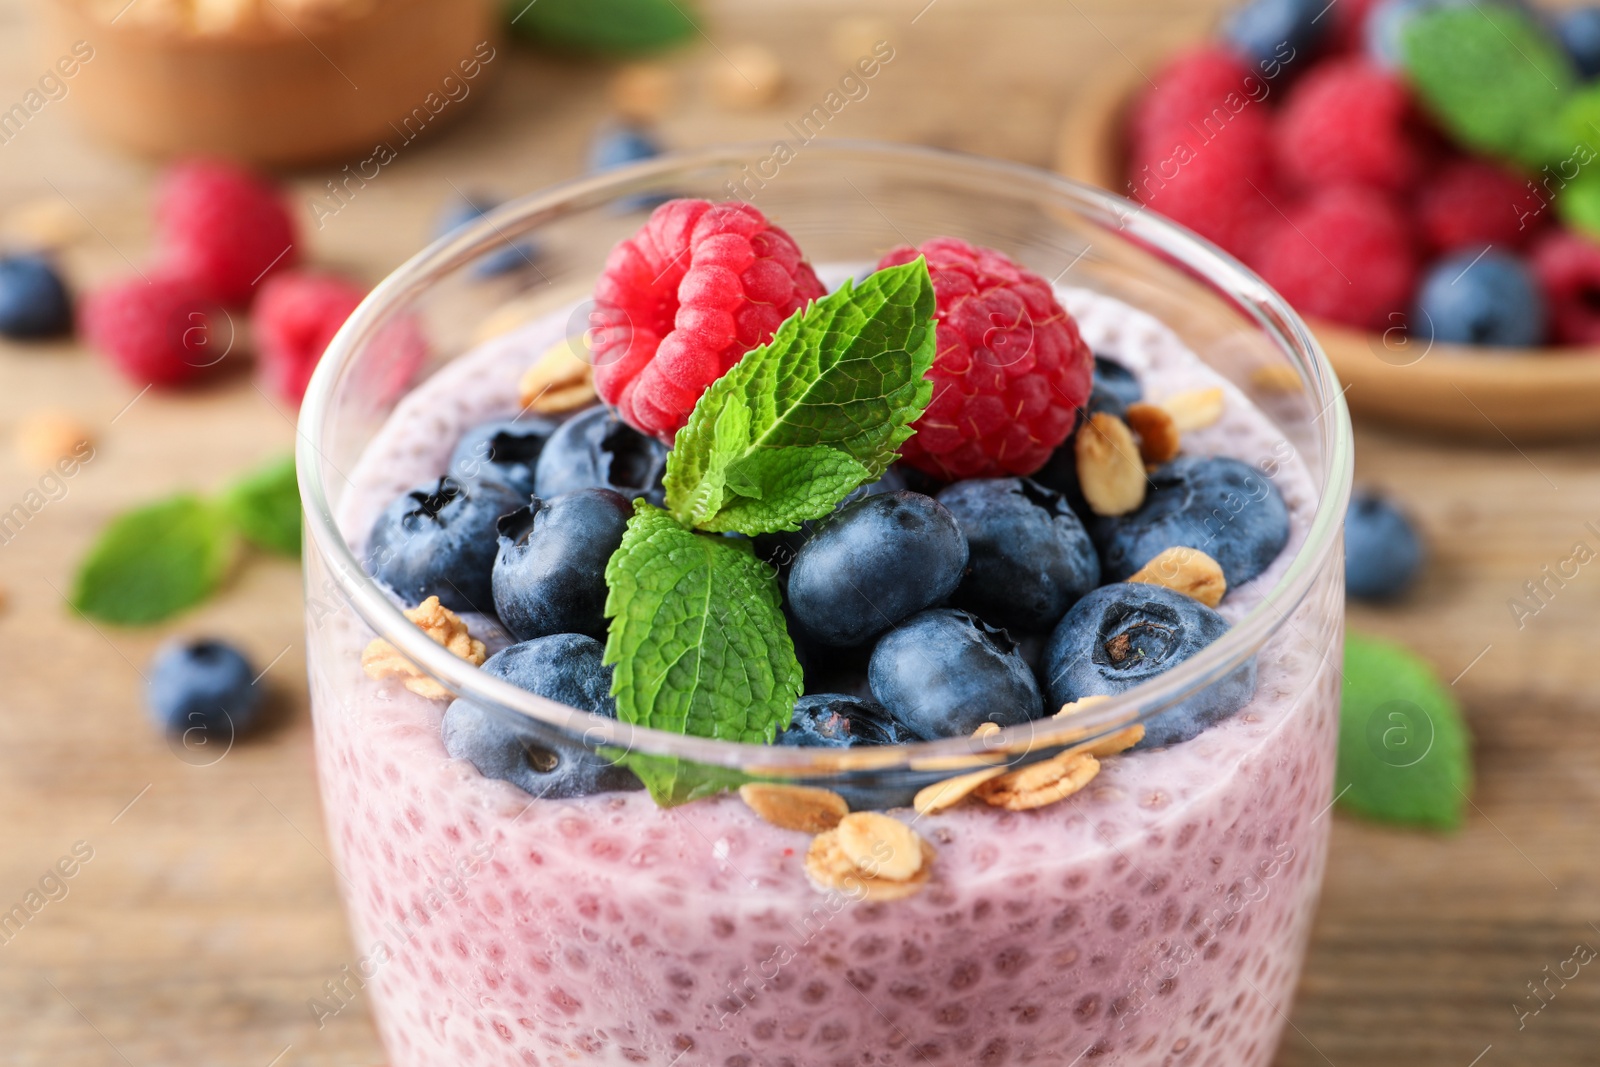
pixel 818 410
pixel 698 646
pixel 1403 748
pixel 1492 76
pixel 154 561
pixel 264 506
pixel 604 26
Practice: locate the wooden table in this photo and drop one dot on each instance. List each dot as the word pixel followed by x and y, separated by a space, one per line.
pixel 208 914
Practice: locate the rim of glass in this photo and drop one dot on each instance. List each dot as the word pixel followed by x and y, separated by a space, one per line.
pixel 1250 296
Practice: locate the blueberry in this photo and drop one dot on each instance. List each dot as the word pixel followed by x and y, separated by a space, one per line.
pixel 1123 634
pixel 1060 473
pixel 1221 506
pixel 874 563
pixel 503 451
pixel 439 540
pixel 596 450
pixel 1579 30
pixel 1269 31
pixel 535 757
pixel 203 686
pixel 838 720
pixel 1029 557
pixel 1492 300
pixel 1114 388
pixel 619 145
pixel 33 301
pixel 779 549
pixel 1382 552
pixel 550 574
pixel 505 257
pixel 943 672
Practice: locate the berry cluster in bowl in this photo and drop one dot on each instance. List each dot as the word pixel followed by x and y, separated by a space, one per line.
pixel 1424 166
pixel 915 507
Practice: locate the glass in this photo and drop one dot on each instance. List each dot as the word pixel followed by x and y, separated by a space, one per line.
pixel 1159 916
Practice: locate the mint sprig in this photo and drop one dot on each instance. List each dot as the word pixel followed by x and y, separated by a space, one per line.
pixel 820 409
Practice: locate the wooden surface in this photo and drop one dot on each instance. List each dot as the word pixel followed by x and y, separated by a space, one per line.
pixel 209 915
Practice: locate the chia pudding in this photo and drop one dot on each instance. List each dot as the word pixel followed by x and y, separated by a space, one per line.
pixel 1158 916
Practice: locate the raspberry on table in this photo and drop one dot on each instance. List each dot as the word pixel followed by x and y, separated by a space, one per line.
pixel 1567 266
pixel 293 320
pixel 1347 121
pixel 681 301
pixel 161 331
pixel 1011 370
pixel 1474 202
pixel 222 227
pixel 1346 254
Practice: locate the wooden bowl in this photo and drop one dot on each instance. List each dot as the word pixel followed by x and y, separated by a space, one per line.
pixel 1495 394
pixel 280 93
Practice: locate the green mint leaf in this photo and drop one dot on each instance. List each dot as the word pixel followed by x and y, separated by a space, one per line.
pixel 1492 76
pixel 1403 748
pixel 820 409
pixel 264 506
pixel 698 644
pixel 672 781
pixel 154 561
pixel 602 26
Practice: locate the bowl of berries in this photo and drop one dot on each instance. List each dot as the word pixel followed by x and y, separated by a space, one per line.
pixel 895 586
pixel 1415 176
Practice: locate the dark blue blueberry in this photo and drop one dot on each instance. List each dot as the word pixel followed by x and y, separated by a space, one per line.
pixel 1222 506
pixel 1029 557
pixel 596 450
pixel 504 451
pixel 874 563
pixel 505 257
pixel 550 574
pixel 529 754
pixel 943 672
pixel 1481 298
pixel 203 690
pixel 1124 634
pixel 1382 553
pixel 33 300
pixel 1115 387
pixel 838 720
pixel 1060 473
pixel 779 549
pixel 1579 30
pixel 440 540
pixel 619 145
pixel 1269 31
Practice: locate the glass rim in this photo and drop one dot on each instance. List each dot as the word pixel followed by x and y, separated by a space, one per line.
pixel 1248 294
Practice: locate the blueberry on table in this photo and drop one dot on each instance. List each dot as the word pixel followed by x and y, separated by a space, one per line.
pixel 202 685
pixel 536 758
pixel 1274 30
pixel 33 300
pixel 1480 298
pixel 1123 634
pixel 1382 552
pixel 1029 557
pixel 595 449
pixel 440 540
pixel 550 574
pixel 1219 505
pixel 837 720
pixel 505 257
pixel 944 672
pixel 876 562
pixel 1114 388
pixel 504 451
pixel 619 145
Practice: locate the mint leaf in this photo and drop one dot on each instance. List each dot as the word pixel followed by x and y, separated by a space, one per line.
pixel 672 781
pixel 698 644
pixel 154 561
pixel 1403 748
pixel 264 506
pixel 820 409
pixel 606 26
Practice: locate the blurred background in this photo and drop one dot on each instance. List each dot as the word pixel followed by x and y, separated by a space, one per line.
pixel 202 914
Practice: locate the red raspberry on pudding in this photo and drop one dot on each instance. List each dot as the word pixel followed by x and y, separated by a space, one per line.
pixel 681 301
pixel 1011 370
pixel 222 227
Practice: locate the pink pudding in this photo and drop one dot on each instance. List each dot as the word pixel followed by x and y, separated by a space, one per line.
pixel 1157 917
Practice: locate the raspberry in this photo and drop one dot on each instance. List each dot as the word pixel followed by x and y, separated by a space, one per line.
pixel 1349 32
pixel 1188 89
pixel 1567 266
pixel 294 318
pixel 1472 202
pixel 164 331
pixel 223 228
pixel 681 301
pixel 1347 122
pixel 1346 254
pixel 1218 183
pixel 1011 371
